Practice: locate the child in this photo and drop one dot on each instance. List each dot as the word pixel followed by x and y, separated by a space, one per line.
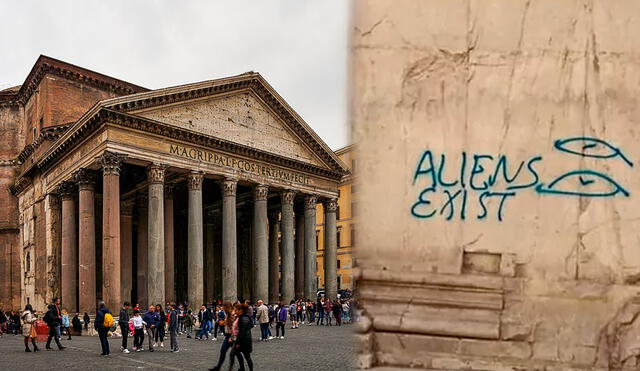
pixel 138 330
pixel 65 322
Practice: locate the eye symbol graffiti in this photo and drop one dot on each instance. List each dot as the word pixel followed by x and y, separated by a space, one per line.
pixel 590 147
pixel 590 184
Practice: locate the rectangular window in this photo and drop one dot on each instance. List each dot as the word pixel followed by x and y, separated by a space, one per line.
pixel 339 282
pixel 338 213
pixel 338 238
pixel 338 263
pixel 41 124
pixel 317 239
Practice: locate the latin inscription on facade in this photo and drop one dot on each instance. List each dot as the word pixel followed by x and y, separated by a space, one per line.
pixel 235 163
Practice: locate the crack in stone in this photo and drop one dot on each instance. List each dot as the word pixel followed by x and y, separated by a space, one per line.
pixel 507 110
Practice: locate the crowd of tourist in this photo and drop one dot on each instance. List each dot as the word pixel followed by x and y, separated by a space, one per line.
pixel 231 321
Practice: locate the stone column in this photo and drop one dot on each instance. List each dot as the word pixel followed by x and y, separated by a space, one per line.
pixel 288 249
pixel 310 289
pixel 209 258
pixel 155 278
pixel 126 249
pixel 274 257
pixel 330 249
pixel 299 255
pixel 111 163
pixel 229 241
pixel 69 256
pixel 195 240
pixel 87 243
pixel 260 245
pixel 169 258
pixel 142 252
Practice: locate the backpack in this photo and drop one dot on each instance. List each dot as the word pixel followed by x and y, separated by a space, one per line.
pixel 108 320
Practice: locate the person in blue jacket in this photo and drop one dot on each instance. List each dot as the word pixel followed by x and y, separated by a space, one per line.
pixel 103 332
pixel 152 318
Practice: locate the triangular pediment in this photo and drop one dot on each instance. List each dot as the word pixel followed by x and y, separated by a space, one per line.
pixel 239 117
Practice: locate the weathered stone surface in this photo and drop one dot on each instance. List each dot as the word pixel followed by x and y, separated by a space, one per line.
pixel 260 246
pixel 87 244
pixel 195 240
pixel 240 118
pixel 287 248
pixel 156 249
pixel 499 142
pixel 229 241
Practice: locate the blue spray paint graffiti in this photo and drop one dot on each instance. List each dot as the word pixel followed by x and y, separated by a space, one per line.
pixel 493 179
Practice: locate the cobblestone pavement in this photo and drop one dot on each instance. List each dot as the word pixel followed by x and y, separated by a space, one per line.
pixel 309 347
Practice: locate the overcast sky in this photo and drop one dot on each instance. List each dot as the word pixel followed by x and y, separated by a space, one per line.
pixel 300 47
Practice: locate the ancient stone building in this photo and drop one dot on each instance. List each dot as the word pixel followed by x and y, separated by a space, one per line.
pixel 498 154
pixel 113 191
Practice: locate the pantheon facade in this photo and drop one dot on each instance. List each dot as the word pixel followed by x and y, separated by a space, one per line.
pixel 190 193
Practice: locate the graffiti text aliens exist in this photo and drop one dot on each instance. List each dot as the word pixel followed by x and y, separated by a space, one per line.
pixel 492 181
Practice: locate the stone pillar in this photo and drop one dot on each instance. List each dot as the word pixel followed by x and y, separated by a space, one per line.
pixel 142 251
pixel 69 256
pixel 299 255
pixel 274 258
pixel 209 258
pixel 229 241
pixel 260 245
pixel 288 249
pixel 310 289
pixel 155 278
pixel 126 249
pixel 111 163
pixel 87 243
pixel 330 249
pixel 195 240
pixel 169 258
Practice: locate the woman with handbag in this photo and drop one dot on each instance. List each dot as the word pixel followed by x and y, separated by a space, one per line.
pixel 28 329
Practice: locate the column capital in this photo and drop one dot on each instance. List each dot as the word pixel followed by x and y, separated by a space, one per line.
pixel 310 202
pixel 111 162
pixel 168 191
pixel 287 197
pixel 260 192
pixel 330 205
pixel 66 190
pixel 155 172
pixel 126 207
pixel 194 180
pixel 85 179
pixel 229 187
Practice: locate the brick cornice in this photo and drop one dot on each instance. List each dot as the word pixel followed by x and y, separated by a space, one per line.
pixel 48 133
pixel 47 65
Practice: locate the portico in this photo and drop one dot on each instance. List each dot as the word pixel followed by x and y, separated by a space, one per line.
pixel 207 191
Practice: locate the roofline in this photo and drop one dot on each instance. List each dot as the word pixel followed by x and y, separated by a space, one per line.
pixel 345 149
pixel 45 65
pixel 193 90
